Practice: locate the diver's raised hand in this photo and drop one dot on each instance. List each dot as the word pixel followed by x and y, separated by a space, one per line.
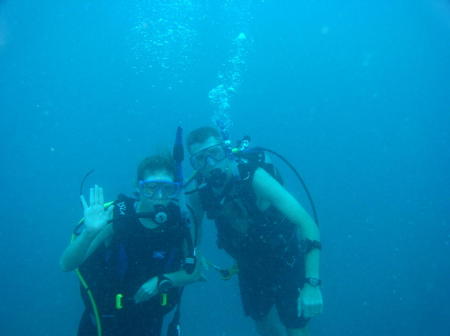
pixel 147 290
pixel 95 214
pixel 310 302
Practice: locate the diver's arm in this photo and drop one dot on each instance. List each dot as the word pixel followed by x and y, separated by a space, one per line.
pixel 96 229
pixel 82 247
pixel 76 252
pixel 309 301
pixel 182 278
pixel 177 279
pixel 267 188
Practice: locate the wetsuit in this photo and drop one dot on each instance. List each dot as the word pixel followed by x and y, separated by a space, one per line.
pixel 134 256
pixel 265 246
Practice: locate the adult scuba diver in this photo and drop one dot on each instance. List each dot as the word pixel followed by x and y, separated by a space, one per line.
pixel 133 256
pixel 275 243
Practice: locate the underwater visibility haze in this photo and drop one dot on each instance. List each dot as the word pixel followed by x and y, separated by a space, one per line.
pixel 356 94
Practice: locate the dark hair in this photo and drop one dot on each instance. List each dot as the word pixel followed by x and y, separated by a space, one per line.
pixel 156 163
pixel 201 134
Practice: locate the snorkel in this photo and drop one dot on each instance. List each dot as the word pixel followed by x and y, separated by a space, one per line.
pixel 178 157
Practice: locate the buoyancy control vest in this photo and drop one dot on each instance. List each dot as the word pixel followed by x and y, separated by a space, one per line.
pixel 244 231
pixel 112 275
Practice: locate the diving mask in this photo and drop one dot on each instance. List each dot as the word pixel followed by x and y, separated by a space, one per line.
pixel 159 189
pixel 208 156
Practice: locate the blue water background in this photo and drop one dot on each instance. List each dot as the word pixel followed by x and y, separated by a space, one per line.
pixel 355 93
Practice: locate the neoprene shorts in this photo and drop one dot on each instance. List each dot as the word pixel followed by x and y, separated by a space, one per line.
pixel 268 282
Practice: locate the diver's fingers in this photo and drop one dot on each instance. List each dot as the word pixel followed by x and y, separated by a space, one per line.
pixel 319 308
pixel 91 196
pixel 307 311
pixel 312 309
pixel 97 198
pixel 100 195
pixel 83 202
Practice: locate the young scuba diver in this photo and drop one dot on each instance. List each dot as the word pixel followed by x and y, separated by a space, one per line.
pixel 133 256
pixel 273 240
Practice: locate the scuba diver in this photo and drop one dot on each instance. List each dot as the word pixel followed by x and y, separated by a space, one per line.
pixel 133 256
pixel 274 242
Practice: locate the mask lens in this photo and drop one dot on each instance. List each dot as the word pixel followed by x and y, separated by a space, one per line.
pixel 200 159
pixel 159 189
pixel 169 189
pixel 217 153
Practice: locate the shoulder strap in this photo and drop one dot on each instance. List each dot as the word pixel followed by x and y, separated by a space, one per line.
pixel 246 171
pixel 256 158
pixel 244 187
pixel 124 206
pixel 124 214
